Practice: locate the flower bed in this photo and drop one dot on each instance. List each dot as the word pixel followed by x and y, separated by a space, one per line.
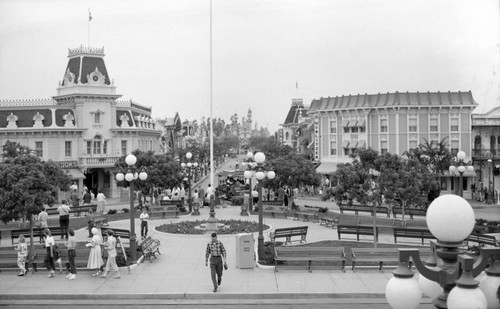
pixel 192 227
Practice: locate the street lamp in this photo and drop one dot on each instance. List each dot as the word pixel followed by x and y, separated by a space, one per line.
pixel 188 169
pixel 131 176
pixel 260 174
pixel 461 166
pixel 490 194
pixel 450 219
pixel 249 173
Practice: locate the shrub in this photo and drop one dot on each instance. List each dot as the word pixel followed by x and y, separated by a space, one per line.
pixel 237 200
pixel 112 211
pixel 125 210
pixel 323 209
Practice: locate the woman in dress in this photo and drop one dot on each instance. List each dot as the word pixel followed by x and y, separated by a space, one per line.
pixel 95 256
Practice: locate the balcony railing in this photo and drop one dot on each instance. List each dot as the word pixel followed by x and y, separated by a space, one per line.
pixel 93 162
pixel 485 153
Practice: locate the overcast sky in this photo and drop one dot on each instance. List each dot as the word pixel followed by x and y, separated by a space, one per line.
pixel 157 52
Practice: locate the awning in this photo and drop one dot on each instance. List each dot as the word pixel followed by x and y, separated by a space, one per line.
pixel 75 173
pixel 345 123
pixel 310 144
pixel 457 174
pixel 362 144
pixel 326 168
pixel 345 144
pixel 353 123
pixel 353 145
pixel 361 123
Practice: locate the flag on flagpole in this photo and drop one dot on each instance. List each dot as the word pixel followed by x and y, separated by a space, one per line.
pixel 90 16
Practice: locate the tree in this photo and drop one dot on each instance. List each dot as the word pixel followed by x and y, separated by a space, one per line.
pixel 437 157
pixel 292 170
pixel 27 184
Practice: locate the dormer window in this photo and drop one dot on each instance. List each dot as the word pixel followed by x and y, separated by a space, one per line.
pixel 97 116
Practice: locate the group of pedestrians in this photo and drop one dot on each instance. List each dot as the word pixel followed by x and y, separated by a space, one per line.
pixel 95 260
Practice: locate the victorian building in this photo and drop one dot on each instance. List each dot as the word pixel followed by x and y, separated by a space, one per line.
pixel 392 122
pixel 85 128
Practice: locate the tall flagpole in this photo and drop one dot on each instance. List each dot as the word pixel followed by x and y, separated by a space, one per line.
pixel 211 108
pixel 90 18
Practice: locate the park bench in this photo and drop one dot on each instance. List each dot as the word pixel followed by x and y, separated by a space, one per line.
pixel 165 211
pixel 328 219
pixel 149 248
pixel 408 232
pixel 374 257
pixel 363 208
pixel 297 256
pixel 100 220
pixel 482 240
pixel 272 203
pixel 288 233
pixel 355 230
pixel 274 210
pixel 177 203
pixel 74 209
pixel 411 212
pixel 118 233
pixel 37 232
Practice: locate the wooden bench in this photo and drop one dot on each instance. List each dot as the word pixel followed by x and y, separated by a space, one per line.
pixel 288 233
pixel 37 232
pixel 408 232
pixel 482 240
pixel 295 256
pixel 74 209
pixel 355 230
pixel 305 215
pixel 328 219
pixel 171 203
pixel 118 233
pixel 411 212
pixel 274 210
pixel 149 248
pixel 363 208
pixel 374 257
pixel 165 211
pixel 272 203
pixel 100 220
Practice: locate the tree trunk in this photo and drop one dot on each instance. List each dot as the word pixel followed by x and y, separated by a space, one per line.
pixel 31 256
pixel 375 225
pixel 403 211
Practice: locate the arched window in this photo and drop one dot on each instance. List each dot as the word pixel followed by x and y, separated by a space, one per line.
pixel 477 145
pixel 492 144
pixel 97 145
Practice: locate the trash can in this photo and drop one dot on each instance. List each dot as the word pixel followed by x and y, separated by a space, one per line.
pixel 245 253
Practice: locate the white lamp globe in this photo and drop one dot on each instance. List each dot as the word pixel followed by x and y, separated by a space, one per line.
pixel 461 169
pixel 189 164
pixel 249 154
pixel 453 169
pixel 271 174
pixel 189 155
pixel 248 174
pixel 183 165
pixel 260 157
pixel 120 176
pixel 461 155
pixel 129 177
pixel 489 286
pixel 470 168
pixel 260 175
pixel 461 298
pixel 130 159
pixel 450 218
pixel 195 164
pixel 143 175
pixel 429 287
pixel 136 175
pixel 403 293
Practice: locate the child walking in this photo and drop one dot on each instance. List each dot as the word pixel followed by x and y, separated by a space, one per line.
pixel 71 245
pixel 22 253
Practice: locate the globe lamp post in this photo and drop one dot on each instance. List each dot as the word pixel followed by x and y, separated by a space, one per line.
pixel 461 166
pixel 450 219
pixel 131 176
pixel 189 169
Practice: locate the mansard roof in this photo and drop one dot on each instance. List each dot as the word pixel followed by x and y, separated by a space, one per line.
pixel 294 111
pixel 396 99
pixel 83 61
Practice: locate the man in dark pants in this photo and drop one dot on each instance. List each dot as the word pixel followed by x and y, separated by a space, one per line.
pixel 217 254
pixel 64 218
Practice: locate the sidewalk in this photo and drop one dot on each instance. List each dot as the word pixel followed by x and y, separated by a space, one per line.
pixel 181 270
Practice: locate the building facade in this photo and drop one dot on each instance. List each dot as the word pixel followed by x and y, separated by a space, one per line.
pixel 85 128
pixel 392 122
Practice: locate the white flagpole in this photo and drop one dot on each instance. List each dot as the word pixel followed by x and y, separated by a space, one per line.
pixel 211 108
pixel 90 18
